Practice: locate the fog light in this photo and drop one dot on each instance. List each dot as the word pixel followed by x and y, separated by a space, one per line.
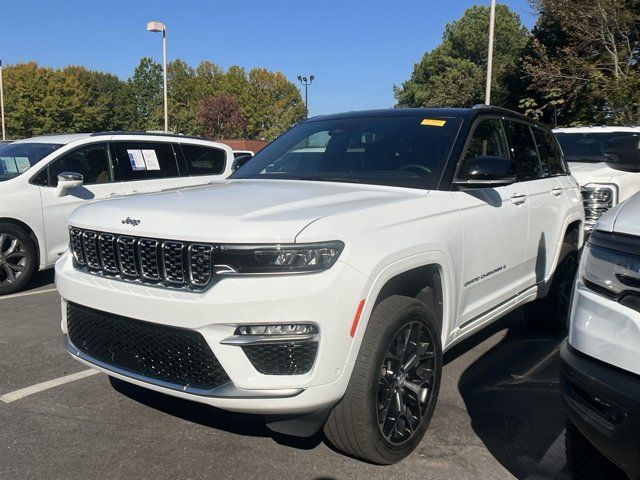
pixel 286 329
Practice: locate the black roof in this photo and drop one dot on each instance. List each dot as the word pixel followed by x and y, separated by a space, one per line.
pixel 467 113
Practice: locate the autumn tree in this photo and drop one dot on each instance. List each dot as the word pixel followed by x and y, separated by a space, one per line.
pixel 221 117
pixel 453 73
pixel 582 63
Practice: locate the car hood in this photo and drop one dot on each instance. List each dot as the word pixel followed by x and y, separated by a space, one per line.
pixel 235 211
pixel 624 219
pixel 600 172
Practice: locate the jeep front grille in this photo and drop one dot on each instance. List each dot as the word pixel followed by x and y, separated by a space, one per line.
pixel 151 261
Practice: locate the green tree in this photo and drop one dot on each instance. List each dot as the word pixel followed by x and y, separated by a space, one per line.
pixel 146 92
pixel 588 54
pixel 453 73
pixel 183 102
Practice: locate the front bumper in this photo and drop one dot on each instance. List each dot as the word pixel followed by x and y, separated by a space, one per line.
pixel 603 402
pixel 328 300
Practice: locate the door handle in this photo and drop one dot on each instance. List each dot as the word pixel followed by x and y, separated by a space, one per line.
pixel 112 194
pixel 557 191
pixel 518 199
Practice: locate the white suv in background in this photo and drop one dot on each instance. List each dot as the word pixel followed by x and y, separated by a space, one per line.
pixel 601 360
pixel 43 179
pixel 320 285
pixel 604 160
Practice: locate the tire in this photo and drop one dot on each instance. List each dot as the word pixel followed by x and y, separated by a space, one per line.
pixel 18 258
pixel 585 462
pixel 551 313
pixel 353 426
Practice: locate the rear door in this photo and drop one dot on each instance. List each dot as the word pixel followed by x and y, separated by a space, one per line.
pixel 149 166
pixel 546 197
pixel 94 163
pixel 495 224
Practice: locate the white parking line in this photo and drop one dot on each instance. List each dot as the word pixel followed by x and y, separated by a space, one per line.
pixel 40 387
pixel 26 294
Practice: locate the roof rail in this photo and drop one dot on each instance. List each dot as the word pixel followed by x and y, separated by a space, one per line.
pixel 153 134
pixel 505 111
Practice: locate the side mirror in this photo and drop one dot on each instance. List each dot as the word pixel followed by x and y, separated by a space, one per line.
pixel 623 153
pixel 67 180
pixel 240 161
pixel 487 172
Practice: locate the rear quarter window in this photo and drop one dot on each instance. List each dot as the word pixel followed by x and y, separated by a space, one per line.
pixel 203 160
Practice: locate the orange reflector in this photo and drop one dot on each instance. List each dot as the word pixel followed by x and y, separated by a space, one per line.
pixel 356 319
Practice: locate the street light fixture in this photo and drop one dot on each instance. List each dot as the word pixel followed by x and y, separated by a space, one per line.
pixel 306 82
pixel 161 27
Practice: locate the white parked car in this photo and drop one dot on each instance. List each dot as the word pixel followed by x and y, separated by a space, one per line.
pixel 601 360
pixel 321 286
pixel 43 179
pixel 595 160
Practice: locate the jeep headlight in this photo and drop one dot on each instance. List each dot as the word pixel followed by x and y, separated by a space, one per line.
pixel 610 272
pixel 274 259
pixel 597 199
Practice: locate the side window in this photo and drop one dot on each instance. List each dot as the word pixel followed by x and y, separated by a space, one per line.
pixel 487 140
pixel 203 160
pixel 93 162
pixel 550 155
pixel 145 160
pixel 524 151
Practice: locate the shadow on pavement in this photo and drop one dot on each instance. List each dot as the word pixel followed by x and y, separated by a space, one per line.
pixel 237 423
pixel 512 394
pixel 40 279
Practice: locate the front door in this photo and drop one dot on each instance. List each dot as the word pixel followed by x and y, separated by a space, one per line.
pixel 94 163
pixel 495 225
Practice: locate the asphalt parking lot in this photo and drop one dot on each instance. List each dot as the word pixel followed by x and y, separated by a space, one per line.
pixel 499 416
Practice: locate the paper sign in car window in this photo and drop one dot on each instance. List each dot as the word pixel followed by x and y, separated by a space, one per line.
pixel 433 122
pixel 9 165
pixel 23 164
pixel 151 159
pixel 137 160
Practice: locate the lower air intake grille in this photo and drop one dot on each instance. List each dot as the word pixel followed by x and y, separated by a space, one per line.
pixel 283 358
pixel 180 357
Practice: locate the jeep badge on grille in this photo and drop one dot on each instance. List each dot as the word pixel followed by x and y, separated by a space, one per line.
pixel 131 221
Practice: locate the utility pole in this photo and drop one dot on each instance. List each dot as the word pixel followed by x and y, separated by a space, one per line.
pixel 4 135
pixel 492 23
pixel 306 82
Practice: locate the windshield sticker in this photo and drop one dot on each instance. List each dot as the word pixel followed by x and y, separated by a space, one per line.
pixel 137 160
pixel 23 164
pixel 151 159
pixel 433 122
pixel 8 165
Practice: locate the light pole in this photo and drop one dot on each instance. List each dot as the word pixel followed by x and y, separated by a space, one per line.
pixel 306 82
pixel 492 23
pixel 161 27
pixel 2 103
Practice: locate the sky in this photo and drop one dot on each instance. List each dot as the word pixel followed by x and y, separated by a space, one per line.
pixel 357 50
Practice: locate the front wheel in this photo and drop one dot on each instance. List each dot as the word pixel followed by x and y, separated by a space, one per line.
pixel 17 258
pixel 394 386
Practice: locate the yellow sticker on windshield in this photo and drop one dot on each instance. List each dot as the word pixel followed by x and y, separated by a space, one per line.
pixel 432 122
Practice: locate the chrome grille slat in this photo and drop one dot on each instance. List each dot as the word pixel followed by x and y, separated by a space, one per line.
pixel 151 261
pixel 149 265
pixel 89 244
pixel 173 262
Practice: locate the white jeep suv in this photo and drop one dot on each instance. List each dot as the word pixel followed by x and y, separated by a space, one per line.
pixel 604 160
pixel 320 286
pixel 43 179
pixel 601 360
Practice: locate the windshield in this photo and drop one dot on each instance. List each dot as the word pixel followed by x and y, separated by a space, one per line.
pixel 588 147
pixel 408 151
pixel 17 158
